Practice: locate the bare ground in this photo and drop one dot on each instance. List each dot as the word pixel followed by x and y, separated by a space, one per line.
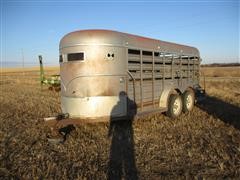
pixel 202 144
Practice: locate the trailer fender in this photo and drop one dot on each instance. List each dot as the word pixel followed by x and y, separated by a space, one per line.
pixel 163 101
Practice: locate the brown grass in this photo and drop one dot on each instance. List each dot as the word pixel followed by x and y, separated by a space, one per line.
pixel 221 71
pixel 28 69
pixel 202 144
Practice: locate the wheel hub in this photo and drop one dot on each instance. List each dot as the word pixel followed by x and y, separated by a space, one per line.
pixel 189 101
pixel 176 106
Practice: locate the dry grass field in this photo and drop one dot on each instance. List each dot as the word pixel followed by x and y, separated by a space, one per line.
pixel 221 71
pixel 202 144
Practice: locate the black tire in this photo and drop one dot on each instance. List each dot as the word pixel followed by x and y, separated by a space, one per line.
pixel 188 99
pixel 174 106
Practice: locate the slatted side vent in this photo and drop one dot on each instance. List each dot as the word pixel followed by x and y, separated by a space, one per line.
pixel 150 71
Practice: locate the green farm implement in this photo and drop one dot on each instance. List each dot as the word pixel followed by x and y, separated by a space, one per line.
pixel 53 81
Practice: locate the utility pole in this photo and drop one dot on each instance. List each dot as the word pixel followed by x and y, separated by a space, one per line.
pixel 23 62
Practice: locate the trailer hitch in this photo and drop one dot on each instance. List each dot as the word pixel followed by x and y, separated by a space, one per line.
pixel 59 117
pixel 59 129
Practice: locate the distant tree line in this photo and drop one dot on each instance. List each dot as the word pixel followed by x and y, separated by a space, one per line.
pixel 220 65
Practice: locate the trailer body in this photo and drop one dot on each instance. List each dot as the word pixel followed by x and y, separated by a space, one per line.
pixel 102 71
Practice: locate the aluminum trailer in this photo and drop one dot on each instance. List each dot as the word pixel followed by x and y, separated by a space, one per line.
pixel 107 75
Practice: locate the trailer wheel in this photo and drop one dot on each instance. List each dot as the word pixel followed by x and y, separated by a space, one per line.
pixel 175 106
pixel 188 99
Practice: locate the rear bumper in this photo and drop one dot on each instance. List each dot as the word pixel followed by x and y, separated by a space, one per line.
pixel 99 107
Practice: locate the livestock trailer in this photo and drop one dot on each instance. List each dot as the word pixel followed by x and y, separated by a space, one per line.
pixel 108 75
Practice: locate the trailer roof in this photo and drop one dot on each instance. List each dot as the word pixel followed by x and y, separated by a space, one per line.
pixel 114 38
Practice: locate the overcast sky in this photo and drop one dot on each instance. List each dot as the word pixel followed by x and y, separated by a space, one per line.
pixel 36 27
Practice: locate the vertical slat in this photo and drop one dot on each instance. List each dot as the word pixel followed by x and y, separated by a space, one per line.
pixel 141 80
pixel 188 68
pixel 127 79
pixel 193 75
pixel 163 84
pixel 181 70
pixel 153 77
pixel 172 67
pixel 198 69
